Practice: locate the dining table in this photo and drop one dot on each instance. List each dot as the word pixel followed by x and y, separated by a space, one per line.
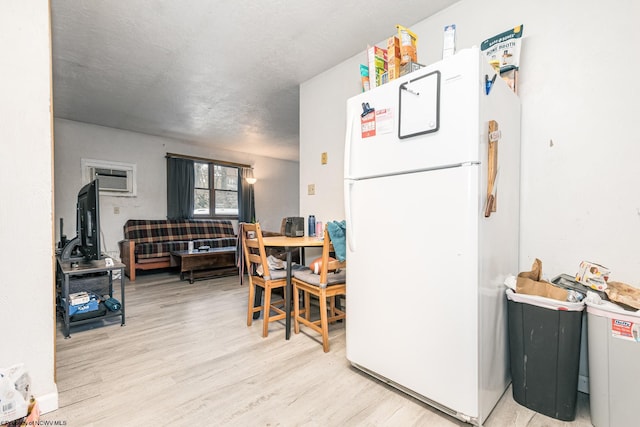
pixel 289 244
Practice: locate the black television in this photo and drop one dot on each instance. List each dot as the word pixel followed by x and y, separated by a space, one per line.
pixel 88 221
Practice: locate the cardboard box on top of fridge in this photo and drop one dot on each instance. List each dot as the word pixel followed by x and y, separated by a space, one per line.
pixel 364 77
pixel 393 68
pixel 393 47
pixel 393 57
pixel 408 45
pixel 531 283
pixel 377 63
pixel 384 78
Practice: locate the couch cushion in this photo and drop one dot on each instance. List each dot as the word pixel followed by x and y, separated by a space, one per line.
pixel 152 231
pixel 159 249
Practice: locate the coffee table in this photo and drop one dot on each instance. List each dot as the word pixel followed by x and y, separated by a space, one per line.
pixel 206 264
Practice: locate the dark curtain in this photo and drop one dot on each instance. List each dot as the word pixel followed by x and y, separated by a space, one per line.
pixel 247 208
pixel 246 213
pixel 180 188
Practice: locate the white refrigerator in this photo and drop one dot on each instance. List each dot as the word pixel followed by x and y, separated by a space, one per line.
pixel 425 295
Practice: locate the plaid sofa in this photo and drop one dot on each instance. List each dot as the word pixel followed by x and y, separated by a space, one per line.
pixel 148 244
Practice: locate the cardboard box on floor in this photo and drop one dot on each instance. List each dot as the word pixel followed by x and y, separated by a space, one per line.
pixel 529 282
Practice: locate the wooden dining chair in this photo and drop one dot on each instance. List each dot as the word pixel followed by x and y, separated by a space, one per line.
pixel 328 284
pixel 256 261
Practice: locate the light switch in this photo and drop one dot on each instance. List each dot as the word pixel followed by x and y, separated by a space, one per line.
pixel 116 210
pixel 323 158
pixel 311 189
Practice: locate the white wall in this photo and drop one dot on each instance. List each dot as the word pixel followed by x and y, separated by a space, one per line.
pixel 26 255
pixel 276 191
pixel 580 147
pixel 322 129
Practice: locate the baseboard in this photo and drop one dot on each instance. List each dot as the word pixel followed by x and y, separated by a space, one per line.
pixel 48 402
pixel 583 384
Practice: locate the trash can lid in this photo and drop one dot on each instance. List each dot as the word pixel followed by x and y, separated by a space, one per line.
pixel 612 311
pixel 544 302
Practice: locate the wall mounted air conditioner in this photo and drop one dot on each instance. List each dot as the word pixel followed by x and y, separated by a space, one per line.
pixel 114 178
pixel 111 179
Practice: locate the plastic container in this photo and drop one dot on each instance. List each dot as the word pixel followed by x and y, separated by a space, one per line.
pixel 85 307
pixel 614 352
pixel 312 225
pixel 544 345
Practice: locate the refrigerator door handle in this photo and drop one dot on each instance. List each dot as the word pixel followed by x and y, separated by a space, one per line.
pixel 348 185
pixel 347 144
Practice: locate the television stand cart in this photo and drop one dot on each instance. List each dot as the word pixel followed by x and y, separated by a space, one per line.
pixel 69 269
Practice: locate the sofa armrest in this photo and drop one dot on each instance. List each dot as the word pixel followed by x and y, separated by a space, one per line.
pixel 128 257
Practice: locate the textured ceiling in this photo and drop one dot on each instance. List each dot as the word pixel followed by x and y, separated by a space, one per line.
pixel 215 73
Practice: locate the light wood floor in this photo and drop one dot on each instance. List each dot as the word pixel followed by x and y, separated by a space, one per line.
pixel 186 358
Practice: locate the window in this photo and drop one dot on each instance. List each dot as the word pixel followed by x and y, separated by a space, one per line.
pixel 215 186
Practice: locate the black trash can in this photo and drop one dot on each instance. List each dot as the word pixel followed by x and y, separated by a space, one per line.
pixel 544 346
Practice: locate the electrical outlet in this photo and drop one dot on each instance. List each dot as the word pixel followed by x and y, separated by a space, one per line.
pixel 311 189
pixel 116 210
pixel 323 158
